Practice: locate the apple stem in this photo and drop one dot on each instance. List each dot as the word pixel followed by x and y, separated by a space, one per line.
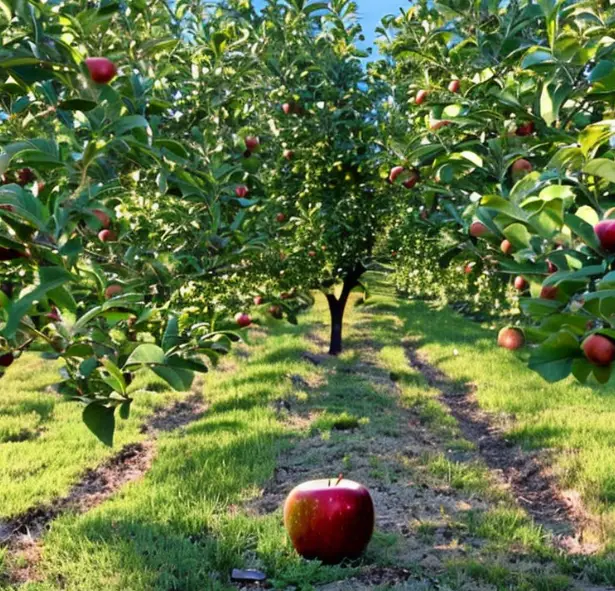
pixel 339 479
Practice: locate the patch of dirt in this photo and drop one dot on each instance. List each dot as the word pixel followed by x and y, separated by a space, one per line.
pixel 528 479
pixel 22 533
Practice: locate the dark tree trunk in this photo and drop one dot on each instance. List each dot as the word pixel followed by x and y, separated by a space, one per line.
pixel 337 306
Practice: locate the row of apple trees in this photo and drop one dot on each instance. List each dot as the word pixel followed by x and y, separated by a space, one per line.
pixel 507 113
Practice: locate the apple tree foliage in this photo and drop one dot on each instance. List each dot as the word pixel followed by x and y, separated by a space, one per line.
pixel 121 228
pixel 524 144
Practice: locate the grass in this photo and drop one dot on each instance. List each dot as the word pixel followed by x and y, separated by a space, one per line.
pixel 188 521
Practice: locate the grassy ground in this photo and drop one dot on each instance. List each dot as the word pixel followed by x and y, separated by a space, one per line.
pixel 212 498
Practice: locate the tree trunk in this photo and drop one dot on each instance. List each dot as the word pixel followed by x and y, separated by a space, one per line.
pixel 337 307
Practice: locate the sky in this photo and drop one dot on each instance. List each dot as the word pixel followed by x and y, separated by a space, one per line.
pixel 370 13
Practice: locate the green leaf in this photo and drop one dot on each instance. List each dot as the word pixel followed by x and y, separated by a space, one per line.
pixel 125 409
pixel 553 358
pixel 519 236
pixel 101 421
pixel 602 167
pixel 128 123
pixel 179 379
pixel 146 354
pixel 78 104
pixel 116 381
pixel 583 230
pixel 171 338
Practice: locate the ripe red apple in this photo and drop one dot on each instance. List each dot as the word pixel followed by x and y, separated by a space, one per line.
pixel 311 253
pixel 511 338
pixel 478 229
pixel 469 268
pixel 243 319
pixel 276 312
pixel 241 191
pixel 395 172
pixel 25 176
pixel 521 283
pixel 103 218
pixel 258 300
pixel 421 97
pixel 113 290
pixel 435 125
pixel 520 168
pixel 54 315
pixel 548 292
pixel 506 247
pixel 454 86
pixel 599 350
pixel 551 267
pixel 107 236
pixel 329 520
pixel 288 154
pixel 252 143
pixel 605 231
pixel 524 129
pixel 102 70
pixel 281 218
pixel 287 108
pixel 412 179
pixel 6 359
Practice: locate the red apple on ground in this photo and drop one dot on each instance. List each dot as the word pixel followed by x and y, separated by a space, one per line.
pixel 288 154
pixel 524 129
pixel 6 359
pixel 478 229
pixel 281 218
pixel 252 143
pixel 412 179
pixel 103 218
pixel 605 232
pixel 395 172
pixel 329 520
pixel 106 236
pixel 598 349
pixel 276 312
pixel 521 283
pixel 454 86
pixel 243 319
pixel 548 292
pixel 241 191
pixel 506 247
pixel 258 300
pixel 101 69
pixel 421 97
pixel 511 338
pixel 520 168
pixel 113 290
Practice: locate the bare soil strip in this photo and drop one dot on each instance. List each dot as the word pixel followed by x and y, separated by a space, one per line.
pixel 21 533
pixel 531 483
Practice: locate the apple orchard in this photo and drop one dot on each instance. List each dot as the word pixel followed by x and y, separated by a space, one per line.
pixel 170 177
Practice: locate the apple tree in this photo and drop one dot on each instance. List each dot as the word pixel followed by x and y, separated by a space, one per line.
pixel 508 111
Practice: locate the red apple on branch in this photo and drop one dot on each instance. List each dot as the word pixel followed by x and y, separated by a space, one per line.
pixel 524 129
pixel 469 268
pixel 258 300
pixel 454 86
pixel 102 70
pixel 521 168
pixel 413 178
pixel 605 232
pixel 242 319
pixel 281 218
pixel 478 229
pixel 107 236
pixel 276 312
pixel 288 154
pixel 252 143
pixel 548 292
pixel 395 172
pixel 551 267
pixel 287 108
pixel 329 520
pixel 25 176
pixel 436 124
pixel 510 338
pixel 506 246
pixel 521 283
pixel 421 97
pixel 599 350
pixel 103 218
pixel 113 290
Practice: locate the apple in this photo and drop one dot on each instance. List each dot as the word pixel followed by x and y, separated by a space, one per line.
pixel 102 70
pixel 103 218
pixel 288 154
pixel 524 129
pixel 412 179
pixel 54 315
pixel 521 283
pixel 25 176
pixel 312 253
pixel 287 108
pixel 395 172
pixel 276 312
pixel 469 268
pixel 281 218
pixel 243 319
pixel 520 168
pixel 252 143
pixel 258 300
pixel 454 86
pixel 478 229
pixel 113 290
pixel 511 338
pixel 506 246
pixel 551 267
pixel 434 125
pixel 241 191
pixel 10 254
pixel 421 97
pixel 548 292
pixel 605 231
pixel 107 236
pixel 6 359
pixel 329 520
pixel 598 349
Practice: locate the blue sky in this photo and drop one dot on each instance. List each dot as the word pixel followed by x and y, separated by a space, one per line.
pixel 370 13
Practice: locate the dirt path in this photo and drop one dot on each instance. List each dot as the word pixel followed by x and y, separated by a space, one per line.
pixel 21 534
